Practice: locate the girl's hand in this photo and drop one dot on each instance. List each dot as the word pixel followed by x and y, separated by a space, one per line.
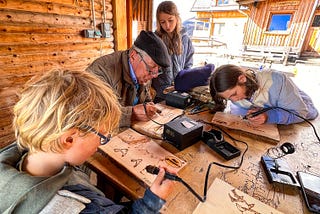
pixel 259 119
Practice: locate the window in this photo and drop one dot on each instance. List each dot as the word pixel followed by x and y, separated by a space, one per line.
pixel 223 2
pixel 202 25
pixel 279 22
pixel 226 2
pixel 316 21
pixel 197 27
pixel 218 29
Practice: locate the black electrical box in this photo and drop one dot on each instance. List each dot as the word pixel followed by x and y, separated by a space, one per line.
pixel 278 171
pixel 178 99
pixel 215 140
pixel 182 132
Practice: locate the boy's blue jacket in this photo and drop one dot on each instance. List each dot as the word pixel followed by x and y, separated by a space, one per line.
pixel 23 193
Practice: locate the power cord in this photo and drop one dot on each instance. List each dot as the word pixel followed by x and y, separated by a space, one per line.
pixel 289 111
pixel 155 170
pixel 297 115
pixel 160 124
pixel 203 199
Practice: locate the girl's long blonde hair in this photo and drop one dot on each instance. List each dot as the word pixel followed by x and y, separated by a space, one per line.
pixel 174 43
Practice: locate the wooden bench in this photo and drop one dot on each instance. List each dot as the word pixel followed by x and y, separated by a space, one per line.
pixel 207 42
pixel 270 53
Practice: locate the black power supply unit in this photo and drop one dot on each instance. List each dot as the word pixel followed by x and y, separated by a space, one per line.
pixel 182 132
pixel 178 99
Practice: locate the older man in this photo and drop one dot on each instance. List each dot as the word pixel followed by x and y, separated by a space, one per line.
pixel 129 73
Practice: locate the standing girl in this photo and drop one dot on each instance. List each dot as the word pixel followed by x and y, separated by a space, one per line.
pixel 178 43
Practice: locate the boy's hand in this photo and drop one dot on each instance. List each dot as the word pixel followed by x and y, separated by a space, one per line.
pixel 161 186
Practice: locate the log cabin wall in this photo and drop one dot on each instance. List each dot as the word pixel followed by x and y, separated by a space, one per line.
pixel 256 33
pixel 37 36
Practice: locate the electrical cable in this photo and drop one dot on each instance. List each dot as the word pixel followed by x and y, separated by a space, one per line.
pixel 289 111
pixel 160 124
pixel 283 147
pixel 297 115
pixel 209 166
pixel 203 199
pixel 281 151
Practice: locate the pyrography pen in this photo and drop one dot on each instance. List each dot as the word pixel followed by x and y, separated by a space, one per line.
pixel 254 114
pixel 155 170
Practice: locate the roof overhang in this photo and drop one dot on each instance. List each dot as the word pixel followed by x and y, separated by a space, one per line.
pixel 220 8
pixel 244 2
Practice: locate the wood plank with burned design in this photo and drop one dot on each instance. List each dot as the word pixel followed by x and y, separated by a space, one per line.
pixel 134 152
pixel 152 129
pixel 224 198
pixel 235 122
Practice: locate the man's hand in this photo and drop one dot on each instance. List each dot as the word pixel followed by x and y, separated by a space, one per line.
pixel 144 113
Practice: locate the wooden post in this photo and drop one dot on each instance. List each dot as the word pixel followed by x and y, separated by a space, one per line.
pixel 285 59
pixel 120 24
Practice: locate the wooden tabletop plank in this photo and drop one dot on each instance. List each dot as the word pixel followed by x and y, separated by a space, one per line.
pixel 250 178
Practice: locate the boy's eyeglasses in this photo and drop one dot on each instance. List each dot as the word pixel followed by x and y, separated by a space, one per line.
pixel 153 73
pixel 103 139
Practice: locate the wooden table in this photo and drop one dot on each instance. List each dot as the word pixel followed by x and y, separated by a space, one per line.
pixel 250 178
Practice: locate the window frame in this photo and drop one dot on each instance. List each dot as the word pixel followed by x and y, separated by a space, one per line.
pixel 271 15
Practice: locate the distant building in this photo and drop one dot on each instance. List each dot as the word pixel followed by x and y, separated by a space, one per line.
pixel 266 29
pixel 226 21
pixel 290 28
pixel 197 27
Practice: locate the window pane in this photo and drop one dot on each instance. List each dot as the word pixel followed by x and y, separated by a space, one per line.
pixel 220 2
pixel 279 22
pixel 199 26
pixel 316 21
pixel 206 26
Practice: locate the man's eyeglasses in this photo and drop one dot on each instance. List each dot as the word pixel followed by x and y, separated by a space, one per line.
pixel 103 139
pixel 151 72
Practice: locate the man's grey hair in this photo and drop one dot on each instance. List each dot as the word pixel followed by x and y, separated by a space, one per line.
pixel 142 52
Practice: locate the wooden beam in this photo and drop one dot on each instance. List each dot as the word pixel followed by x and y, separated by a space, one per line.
pixel 120 24
pixel 150 15
pixel 129 22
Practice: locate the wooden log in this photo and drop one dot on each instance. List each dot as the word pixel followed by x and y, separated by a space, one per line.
pixel 37 36
pixel 62 57
pixel 21 38
pixel 7 100
pixel 58 8
pixel 16 49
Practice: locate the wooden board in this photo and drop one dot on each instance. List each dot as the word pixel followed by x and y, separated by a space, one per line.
pixel 153 129
pixel 134 152
pixel 231 121
pixel 224 198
